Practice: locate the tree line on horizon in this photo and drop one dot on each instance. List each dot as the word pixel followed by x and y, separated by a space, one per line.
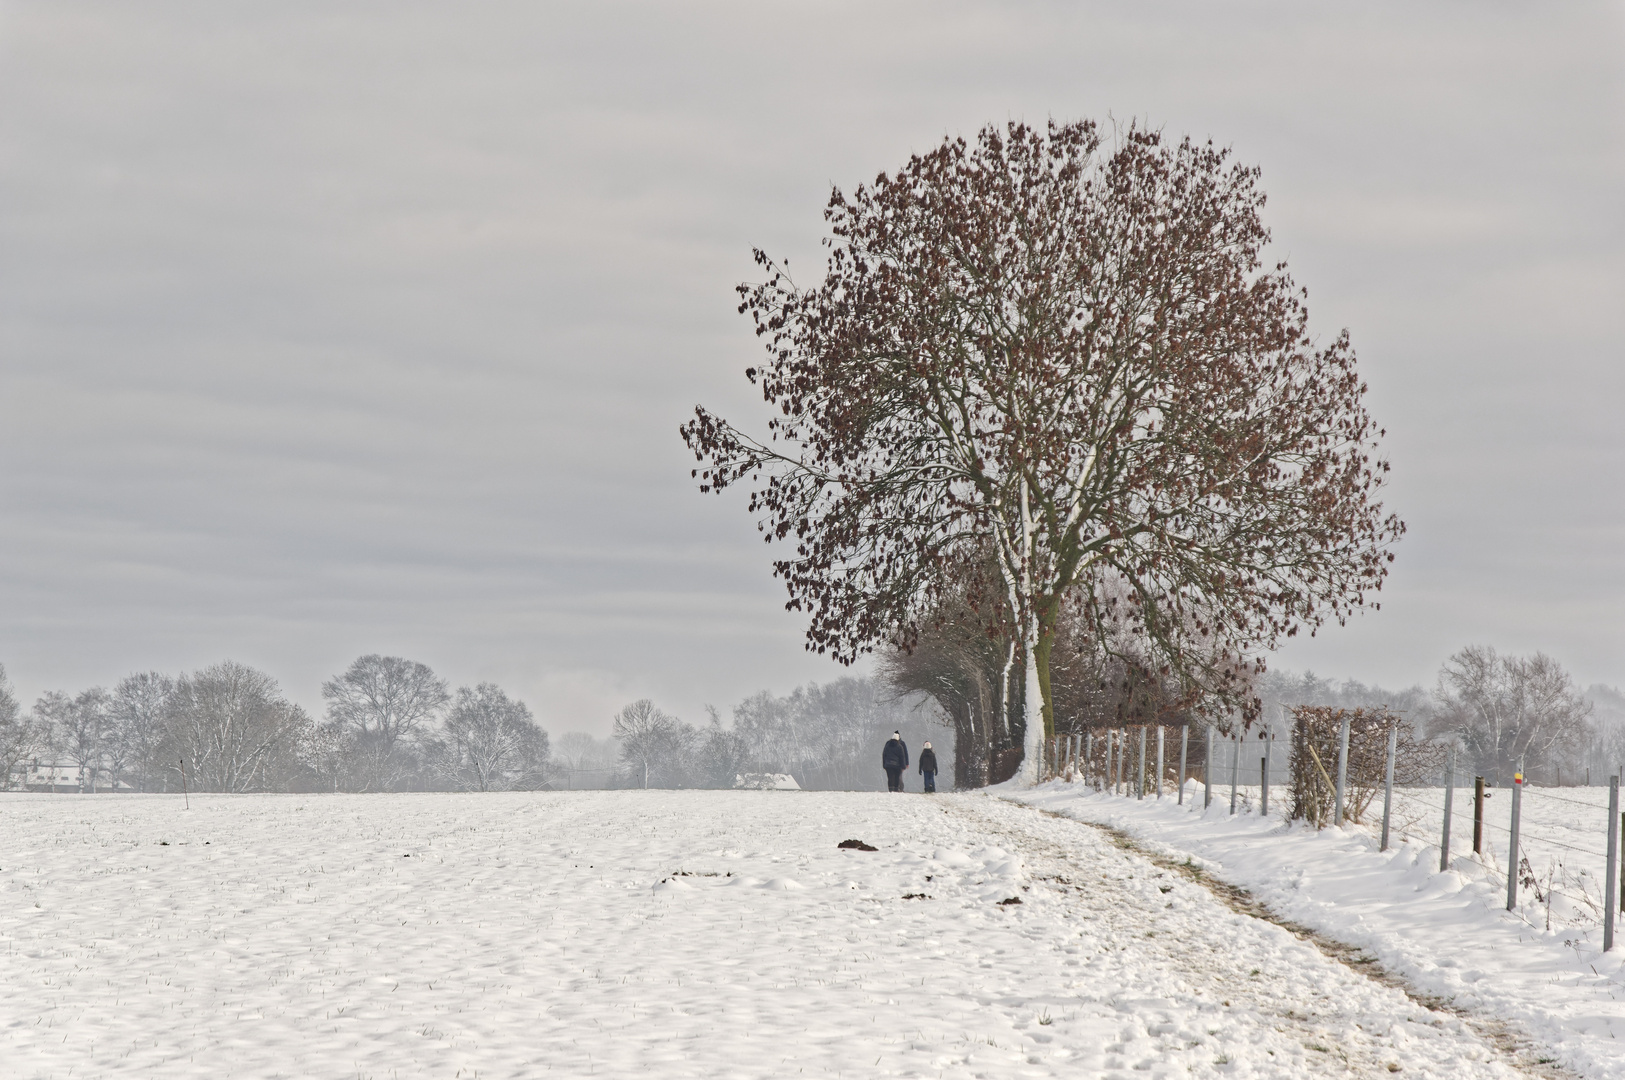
pixel 392 724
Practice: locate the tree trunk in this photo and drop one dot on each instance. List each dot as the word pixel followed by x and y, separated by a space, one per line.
pixel 1041 654
pixel 1032 712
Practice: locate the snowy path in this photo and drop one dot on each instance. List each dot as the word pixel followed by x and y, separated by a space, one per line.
pixel 518 935
pixel 1448 933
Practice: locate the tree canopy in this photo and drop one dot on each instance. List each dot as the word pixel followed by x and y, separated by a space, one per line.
pixel 1068 364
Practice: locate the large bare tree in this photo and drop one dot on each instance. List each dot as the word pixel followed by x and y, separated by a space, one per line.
pixel 489 741
pixel 1509 711
pixel 79 727
pixel 653 744
pixel 374 709
pixel 138 713
pixel 1076 357
pixel 20 736
pixel 234 729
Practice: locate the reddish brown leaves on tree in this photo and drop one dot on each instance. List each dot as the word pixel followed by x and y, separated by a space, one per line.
pixel 1075 360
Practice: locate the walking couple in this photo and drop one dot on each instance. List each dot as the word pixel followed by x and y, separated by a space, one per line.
pixel 894 759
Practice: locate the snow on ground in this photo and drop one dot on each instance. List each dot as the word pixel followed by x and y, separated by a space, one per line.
pixel 1448 933
pixel 652 934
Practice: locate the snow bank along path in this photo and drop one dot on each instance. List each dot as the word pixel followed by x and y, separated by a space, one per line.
pixel 1447 933
pixel 651 934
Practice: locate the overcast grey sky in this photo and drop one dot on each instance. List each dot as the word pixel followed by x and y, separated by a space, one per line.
pixel 331 328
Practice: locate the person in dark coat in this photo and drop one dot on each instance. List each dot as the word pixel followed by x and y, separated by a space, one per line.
pixel 894 759
pixel 928 769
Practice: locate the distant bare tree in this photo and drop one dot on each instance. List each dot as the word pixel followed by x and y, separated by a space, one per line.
pixel 235 729
pixel 329 752
pixel 1606 749
pixel 582 752
pixel 719 753
pixel 20 736
pixel 489 741
pixel 137 714
pixel 652 744
pixel 1509 711
pixel 79 728
pixel 827 736
pixel 378 705
pixel 1282 691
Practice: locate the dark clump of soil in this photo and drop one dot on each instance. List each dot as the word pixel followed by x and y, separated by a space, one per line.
pixel 1010 900
pixel 857 845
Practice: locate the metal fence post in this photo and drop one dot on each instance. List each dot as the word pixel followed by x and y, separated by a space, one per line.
pixel 1613 863
pixel 1088 753
pixel 1388 782
pixel 1512 849
pixel 1235 768
pixel 1207 772
pixel 1117 762
pixel 1117 766
pixel 1184 742
pixel 1159 760
pixel 1449 801
pixel 1342 768
pixel 1140 769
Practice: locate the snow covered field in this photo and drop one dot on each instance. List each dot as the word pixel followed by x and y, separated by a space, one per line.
pixel 1448 933
pixel 653 934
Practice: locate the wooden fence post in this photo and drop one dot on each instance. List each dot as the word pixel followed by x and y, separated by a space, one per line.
pixel 1264 781
pixel 1478 815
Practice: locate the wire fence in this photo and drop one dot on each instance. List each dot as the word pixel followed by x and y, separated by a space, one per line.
pixel 1561 852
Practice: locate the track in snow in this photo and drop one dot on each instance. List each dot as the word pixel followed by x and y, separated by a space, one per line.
pixel 669 934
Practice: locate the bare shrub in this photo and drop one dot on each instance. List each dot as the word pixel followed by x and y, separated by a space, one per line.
pixel 1315 733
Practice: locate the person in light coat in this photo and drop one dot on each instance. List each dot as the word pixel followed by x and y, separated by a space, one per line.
pixel 894 759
